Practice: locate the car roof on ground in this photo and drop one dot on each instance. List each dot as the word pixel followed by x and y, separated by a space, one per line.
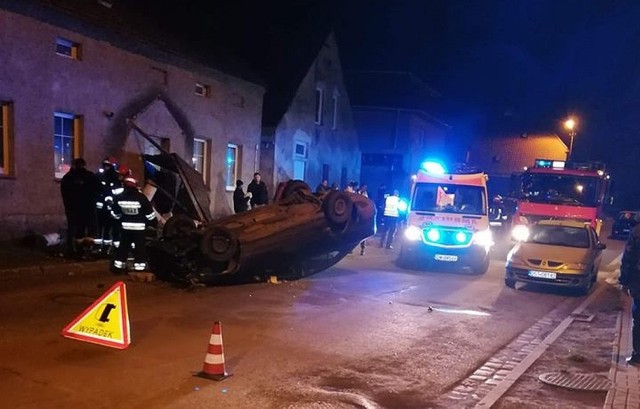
pixel 564 223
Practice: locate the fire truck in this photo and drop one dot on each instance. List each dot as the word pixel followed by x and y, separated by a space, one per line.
pixel 558 190
pixel 447 218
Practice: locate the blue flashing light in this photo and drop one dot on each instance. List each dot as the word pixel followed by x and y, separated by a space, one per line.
pixel 432 167
pixel 402 205
pixel 433 235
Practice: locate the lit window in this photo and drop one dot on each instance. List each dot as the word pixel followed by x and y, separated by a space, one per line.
pixel 67 48
pixel 200 159
pixel 67 141
pixel 319 106
pixel 334 124
pixel 231 163
pixel 300 160
pixel 202 89
pixel 6 138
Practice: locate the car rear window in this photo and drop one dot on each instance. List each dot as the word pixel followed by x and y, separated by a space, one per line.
pixel 560 236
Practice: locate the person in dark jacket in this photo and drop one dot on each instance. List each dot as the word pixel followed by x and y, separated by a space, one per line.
pixel 79 189
pixel 240 199
pixel 323 187
pixel 134 212
pixel 630 280
pixel 258 190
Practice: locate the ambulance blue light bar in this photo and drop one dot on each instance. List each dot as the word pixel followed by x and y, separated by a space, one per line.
pixel 434 168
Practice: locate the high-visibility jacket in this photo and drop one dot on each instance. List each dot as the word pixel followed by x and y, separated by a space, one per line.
pixel 391 206
pixel 133 210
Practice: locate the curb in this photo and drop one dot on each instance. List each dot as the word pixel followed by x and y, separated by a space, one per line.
pixel 51 270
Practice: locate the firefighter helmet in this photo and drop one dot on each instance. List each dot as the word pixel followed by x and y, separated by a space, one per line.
pixel 110 161
pixel 130 182
pixel 124 171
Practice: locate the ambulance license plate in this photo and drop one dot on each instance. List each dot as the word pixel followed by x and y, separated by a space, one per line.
pixel 445 257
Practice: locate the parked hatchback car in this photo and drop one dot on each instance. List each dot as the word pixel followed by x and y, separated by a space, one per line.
pixel 623 223
pixel 563 253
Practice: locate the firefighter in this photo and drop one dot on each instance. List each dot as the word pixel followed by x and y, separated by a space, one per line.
pixel 108 183
pixel 390 215
pixel 134 213
pixel 123 172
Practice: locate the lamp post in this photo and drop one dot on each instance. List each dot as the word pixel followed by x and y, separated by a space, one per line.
pixel 570 125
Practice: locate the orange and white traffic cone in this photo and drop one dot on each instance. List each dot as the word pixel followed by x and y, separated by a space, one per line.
pixel 213 367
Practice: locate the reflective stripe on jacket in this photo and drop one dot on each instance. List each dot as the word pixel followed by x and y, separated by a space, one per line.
pixel 391 206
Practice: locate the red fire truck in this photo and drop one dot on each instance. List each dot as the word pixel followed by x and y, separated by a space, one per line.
pixel 554 189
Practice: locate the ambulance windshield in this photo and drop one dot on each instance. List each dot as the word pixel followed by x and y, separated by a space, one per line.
pixel 449 198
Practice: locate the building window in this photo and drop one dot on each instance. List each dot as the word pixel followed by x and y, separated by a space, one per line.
pixel 202 90
pixel 200 157
pixel 300 160
pixel 319 93
pixel 334 123
pixel 67 141
pixel 67 48
pixel 231 161
pixel 6 138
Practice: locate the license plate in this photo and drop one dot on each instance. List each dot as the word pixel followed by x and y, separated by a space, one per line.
pixel 542 274
pixel 446 257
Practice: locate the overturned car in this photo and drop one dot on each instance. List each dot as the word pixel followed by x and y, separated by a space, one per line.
pixel 299 234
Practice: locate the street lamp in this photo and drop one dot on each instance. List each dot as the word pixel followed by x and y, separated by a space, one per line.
pixel 570 125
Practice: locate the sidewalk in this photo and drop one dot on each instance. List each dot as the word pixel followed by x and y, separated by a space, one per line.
pixel 19 262
pixel 626 378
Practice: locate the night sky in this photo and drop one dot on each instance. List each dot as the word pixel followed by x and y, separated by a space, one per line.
pixel 501 66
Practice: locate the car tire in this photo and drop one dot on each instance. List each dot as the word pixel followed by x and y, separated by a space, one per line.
pixel 178 225
pixel 337 207
pixel 219 243
pixel 510 282
pixel 294 186
pixel 588 286
pixel 482 267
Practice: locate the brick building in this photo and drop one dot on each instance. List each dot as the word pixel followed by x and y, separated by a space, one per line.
pixel 504 156
pixel 68 85
pixel 311 136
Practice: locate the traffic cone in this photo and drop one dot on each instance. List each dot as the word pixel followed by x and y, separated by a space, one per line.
pixel 213 367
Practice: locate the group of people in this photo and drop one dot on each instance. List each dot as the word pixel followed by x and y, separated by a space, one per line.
pixel 106 213
pixel 256 196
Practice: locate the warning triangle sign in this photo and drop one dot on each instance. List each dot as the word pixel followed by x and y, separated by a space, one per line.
pixel 105 322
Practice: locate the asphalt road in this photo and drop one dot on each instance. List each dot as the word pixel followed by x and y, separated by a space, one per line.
pixel 364 334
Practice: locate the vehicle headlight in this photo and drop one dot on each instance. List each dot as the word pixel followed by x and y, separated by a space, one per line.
pixel 483 238
pixel 574 266
pixel 520 232
pixel 413 233
pixel 461 237
pixel 433 234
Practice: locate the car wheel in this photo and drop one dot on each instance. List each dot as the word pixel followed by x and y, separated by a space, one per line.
pixel 510 282
pixel 588 285
pixel 481 267
pixel 180 224
pixel 337 207
pixel 294 186
pixel 219 243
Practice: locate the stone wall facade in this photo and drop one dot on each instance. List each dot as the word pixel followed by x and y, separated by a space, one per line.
pixel 312 147
pixel 105 86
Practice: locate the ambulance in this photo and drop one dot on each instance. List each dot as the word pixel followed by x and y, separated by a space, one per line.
pixel 447 219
